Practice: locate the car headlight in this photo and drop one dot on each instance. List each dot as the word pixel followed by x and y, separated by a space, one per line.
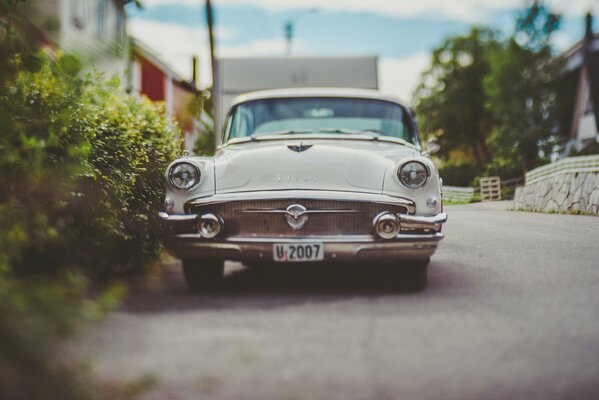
pixel 413 174
pixel 184 175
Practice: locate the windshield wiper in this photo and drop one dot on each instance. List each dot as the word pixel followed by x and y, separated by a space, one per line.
pixel 348 131
pixel 257 136
pixel 283 132
pixel 373 133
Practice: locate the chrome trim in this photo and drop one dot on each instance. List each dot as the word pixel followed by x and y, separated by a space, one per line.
pixel 403 164
pixel 280 211
pixel 292 195
pixel 299 149
pixel 296 216
pixel 382 217
pixel 171 168
pixel 414 219
pixel 324 239
pixel 210 218
pixel 337 249
pixel 177 217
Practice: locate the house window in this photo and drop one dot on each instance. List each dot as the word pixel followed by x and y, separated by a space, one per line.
pixel 101 17
pixel 80 13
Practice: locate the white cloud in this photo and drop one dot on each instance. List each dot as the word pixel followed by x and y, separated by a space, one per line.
pixel 261 47
pixel 177 44
pixel 400 76
pixel 474 11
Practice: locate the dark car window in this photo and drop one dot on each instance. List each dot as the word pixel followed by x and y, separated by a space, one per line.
pixel 262 117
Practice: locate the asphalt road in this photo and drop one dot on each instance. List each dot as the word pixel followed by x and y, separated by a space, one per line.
pixel 511 312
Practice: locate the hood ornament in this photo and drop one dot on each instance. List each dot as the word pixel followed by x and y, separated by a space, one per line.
pixel 296 216
pixel 299 148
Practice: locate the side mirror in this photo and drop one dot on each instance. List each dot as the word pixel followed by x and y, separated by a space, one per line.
pixel 432 146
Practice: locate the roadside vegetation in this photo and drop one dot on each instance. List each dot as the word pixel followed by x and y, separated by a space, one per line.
pixel 496 104
pixel 81 166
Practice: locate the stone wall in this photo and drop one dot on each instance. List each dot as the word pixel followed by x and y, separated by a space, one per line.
pixel 567 189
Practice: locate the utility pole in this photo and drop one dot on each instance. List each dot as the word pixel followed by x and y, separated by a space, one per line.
pixel 289 35
pixel 210 21
pixel 290 25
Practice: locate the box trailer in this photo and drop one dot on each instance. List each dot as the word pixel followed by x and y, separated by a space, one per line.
pixel 235 76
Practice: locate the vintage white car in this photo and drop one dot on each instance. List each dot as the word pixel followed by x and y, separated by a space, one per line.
pixel 308 175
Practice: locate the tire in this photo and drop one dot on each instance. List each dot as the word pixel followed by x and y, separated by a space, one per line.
pixel 412 275
pixel 203 275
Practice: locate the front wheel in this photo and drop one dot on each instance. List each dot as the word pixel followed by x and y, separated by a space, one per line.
pixel 203 275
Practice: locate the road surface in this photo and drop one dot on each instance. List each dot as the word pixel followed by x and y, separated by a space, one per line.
pixel 511 312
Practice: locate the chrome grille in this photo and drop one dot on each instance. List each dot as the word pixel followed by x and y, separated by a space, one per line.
pixel 258 218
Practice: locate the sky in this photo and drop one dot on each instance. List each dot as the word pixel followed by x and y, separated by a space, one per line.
pixel 401 33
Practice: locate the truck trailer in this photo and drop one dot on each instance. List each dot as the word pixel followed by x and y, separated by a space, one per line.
pixel 235 76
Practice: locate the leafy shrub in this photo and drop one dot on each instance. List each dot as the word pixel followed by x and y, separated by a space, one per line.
pixel 504 168
pixel 81 167
pixel 205 145
pixel 82 164
pixel 121 189
pixel 458 174
pixel 36 316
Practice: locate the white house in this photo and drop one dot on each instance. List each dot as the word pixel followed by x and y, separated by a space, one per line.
pixel 582 63
pixel 93 30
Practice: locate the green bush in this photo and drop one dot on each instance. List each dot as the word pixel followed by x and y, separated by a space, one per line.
pixel 82 167
pixel 504 168
pixel 81 180
pixel 121 190
pixel 458 174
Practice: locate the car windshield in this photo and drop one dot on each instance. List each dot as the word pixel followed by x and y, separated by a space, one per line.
pixel 320 115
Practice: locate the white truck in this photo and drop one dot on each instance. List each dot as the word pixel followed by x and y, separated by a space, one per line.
pixel 235 76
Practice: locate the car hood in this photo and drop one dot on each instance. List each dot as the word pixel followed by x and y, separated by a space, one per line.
pixel 316 164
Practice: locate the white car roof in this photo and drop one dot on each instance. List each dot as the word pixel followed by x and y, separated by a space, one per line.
pixel 316 92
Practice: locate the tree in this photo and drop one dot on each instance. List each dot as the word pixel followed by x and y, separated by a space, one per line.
pixel 521 88
pixel 451 97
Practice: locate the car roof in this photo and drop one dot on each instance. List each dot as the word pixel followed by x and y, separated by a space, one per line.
pixel 316 92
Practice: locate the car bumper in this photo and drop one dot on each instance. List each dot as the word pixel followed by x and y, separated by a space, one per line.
pixel 336 248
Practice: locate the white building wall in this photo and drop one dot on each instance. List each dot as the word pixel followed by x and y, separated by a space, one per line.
pixel 99 41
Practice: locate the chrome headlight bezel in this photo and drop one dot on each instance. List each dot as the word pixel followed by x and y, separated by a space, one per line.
pixel 192 168
pixel 403 179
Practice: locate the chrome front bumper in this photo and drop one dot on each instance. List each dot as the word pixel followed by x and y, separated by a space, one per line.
pixel 336 248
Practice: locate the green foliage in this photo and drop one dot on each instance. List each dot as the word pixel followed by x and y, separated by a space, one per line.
pixel 121 189
pixel 205 145
pixel 501 103
pixel 522 87
pixel 451 97
pixel 503 167
pixel 81 167
pixel 36 316
pixel 459 173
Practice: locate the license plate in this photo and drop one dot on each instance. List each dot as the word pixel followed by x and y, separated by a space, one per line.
pixel 298 252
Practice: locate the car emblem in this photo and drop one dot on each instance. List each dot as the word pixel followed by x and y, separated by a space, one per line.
pixel 300 148
pixel 296 216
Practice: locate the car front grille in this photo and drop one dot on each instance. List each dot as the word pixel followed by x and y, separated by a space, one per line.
pixel 267 218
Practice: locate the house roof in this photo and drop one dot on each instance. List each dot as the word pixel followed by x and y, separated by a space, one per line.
pixel 144 51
